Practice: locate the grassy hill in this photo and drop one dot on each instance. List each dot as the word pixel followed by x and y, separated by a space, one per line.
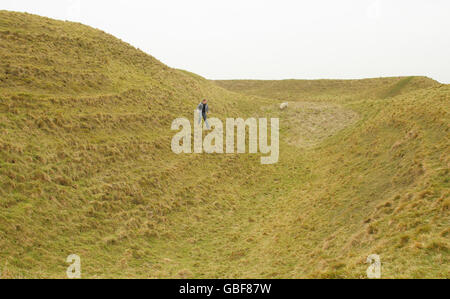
pixel 86 168
pixel 329 90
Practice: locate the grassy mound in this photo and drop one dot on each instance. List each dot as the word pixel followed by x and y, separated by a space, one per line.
pixel 329 90
pixel 86 168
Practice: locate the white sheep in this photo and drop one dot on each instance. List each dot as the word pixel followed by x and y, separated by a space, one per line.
pixel 284 106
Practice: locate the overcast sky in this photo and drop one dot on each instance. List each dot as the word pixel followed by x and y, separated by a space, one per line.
pixel 273 39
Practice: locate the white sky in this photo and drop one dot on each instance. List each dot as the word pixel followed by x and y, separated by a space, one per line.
pixel 273 39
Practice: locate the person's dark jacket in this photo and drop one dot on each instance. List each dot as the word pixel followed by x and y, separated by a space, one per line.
pixel 200 107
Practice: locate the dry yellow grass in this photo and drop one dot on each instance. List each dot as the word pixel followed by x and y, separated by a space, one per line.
pixel 86 168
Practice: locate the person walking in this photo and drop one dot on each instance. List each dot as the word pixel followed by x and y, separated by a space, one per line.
pixel 203 110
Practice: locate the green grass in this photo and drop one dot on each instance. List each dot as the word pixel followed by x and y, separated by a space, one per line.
pixel 86 168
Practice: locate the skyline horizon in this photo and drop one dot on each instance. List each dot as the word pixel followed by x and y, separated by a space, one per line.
pixel 280 60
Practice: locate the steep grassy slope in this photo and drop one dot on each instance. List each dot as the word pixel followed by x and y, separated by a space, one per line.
pixel 44 56
pixel 86 168
pixel 86 165
pixel 380 186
